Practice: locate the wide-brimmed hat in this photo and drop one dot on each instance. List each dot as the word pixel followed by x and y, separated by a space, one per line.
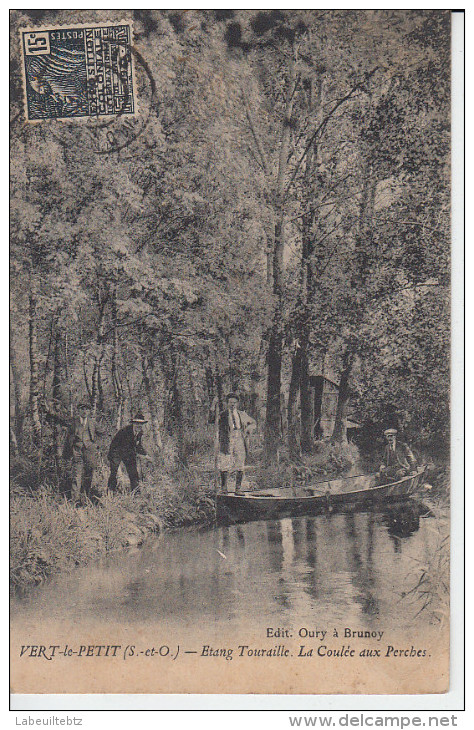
pixel 390 432
pixel 85 406
pixel 232 395
pixel 139 418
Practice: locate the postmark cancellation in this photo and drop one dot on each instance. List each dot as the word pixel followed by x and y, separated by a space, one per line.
pixel 78 71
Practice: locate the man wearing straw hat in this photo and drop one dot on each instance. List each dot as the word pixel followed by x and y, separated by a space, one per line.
pixel 398 459
pixel 125 446
pixel 233 426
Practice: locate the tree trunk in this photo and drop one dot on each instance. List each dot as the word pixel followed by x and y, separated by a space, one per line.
pixel 17 415
pixel 131 398
pixel 209 384
pixel 293 441
pixel 50 349
pixel 100 390
pixel 56 395
pixel 173 417
pixel 96 376
pixel 120 413
pixel 34 369
pixel 305 299
pixel 175 413
pixel 116 381
pixel 214 393
pixel 66 373
pixel 339 434
pixel 14 443
pixel 306 400
pixel 178 421
pixel 273 415
pixel 275 346
pixel 269 258
pixel 363 249
pixel 308 291
pixel 151 398
pixel 219 389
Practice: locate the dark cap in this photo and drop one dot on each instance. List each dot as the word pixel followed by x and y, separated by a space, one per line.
pixel 83 406
pixel 232 395
pixel 139 418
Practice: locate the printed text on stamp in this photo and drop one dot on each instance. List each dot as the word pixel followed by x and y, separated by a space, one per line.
pixel 78 72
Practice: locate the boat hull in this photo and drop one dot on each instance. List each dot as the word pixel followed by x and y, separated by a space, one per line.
pixel 246 507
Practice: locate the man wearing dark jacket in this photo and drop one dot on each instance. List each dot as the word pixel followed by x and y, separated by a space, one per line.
pixel 398 459
pixel 125 446
pixel 80 447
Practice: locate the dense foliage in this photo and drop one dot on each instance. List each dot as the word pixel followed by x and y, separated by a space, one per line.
pixel 280 205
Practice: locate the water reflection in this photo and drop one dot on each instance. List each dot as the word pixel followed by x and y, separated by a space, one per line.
pixel 275 545
pixel 360 531
pixel 402 522
pixel 338 566
pixel 312 578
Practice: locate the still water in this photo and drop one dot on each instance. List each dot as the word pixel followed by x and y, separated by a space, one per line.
pixel 353 568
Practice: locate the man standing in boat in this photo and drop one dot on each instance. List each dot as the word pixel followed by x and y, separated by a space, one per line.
pixel 125 446
pixel 398 459
pixel 233 427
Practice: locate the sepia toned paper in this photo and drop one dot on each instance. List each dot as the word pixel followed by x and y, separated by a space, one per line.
pixel 230 272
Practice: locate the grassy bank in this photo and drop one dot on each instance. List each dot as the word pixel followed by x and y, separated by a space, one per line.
pixel 48 534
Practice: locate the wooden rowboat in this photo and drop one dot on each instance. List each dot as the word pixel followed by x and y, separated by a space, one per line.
pixel 347 493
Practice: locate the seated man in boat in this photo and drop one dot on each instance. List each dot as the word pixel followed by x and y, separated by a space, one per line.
pixel 398 459
pixel 233 426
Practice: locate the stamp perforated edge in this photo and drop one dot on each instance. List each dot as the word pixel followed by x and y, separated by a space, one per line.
pixel 85 119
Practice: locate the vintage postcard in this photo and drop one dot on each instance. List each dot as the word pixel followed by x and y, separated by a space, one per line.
pixel 230 351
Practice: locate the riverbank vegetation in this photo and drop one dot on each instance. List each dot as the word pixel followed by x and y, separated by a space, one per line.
pixel 48 534
pixel 428 581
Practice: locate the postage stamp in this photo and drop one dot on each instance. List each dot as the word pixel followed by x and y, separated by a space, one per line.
pixel 77 72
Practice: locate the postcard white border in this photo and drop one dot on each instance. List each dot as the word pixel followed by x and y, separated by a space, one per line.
pixel 452 701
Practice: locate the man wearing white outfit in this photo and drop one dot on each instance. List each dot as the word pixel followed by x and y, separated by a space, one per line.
pixel 233 426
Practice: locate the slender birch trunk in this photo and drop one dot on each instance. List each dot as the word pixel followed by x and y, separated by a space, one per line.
pixel 96 375
pixel 150 393
pixel 33 355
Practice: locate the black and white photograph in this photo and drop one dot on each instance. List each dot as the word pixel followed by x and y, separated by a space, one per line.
pixel 230 351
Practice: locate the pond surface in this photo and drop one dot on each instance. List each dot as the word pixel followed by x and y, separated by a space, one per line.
pixel 353 568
